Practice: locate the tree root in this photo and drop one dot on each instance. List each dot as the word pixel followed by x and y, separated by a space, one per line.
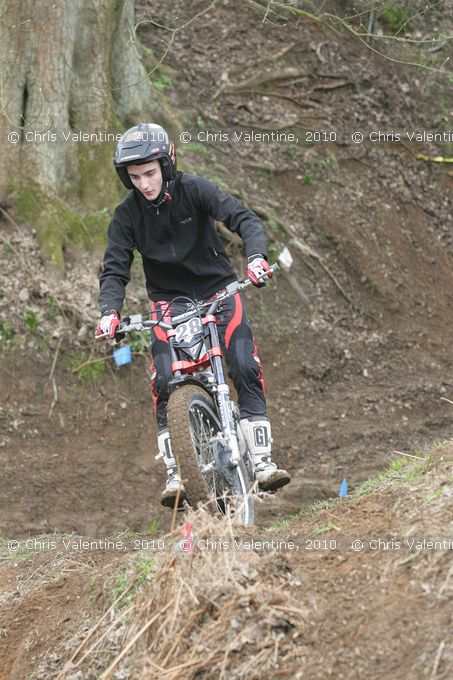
pixel 309 252
pixel 304 104
pixel 288 73
pixel 306 250
pixel 332 86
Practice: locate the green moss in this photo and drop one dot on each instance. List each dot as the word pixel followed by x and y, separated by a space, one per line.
pixel 57 224
pixel 273 251
pixel 395 16
pixel 147 54
pixel 151 61
pixel 162 82
pixel 98 185
pixel 97 223
pixel 197 148
pixel 51 219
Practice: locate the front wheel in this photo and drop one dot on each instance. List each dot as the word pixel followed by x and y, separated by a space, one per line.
pixel 193 422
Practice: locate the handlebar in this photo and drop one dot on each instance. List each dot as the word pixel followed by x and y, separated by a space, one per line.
pixel 135 322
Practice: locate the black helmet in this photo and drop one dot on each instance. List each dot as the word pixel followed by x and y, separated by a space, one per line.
pixel 141 144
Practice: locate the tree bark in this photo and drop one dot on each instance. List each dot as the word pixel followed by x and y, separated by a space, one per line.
pixel 67 66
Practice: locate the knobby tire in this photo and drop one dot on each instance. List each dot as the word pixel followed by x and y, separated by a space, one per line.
pixel 188 407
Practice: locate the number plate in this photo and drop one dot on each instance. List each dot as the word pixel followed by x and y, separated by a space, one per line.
pixel 185 332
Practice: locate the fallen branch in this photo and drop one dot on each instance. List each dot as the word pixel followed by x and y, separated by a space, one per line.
pixel 301 104
pixel 290 73
pixel 54 361
pixel 266 168
pixel 177 639
pixel 370 27
pixel 306 250
pixel 436 663
pixel 175 671
pixel 332 86
pixel 55 398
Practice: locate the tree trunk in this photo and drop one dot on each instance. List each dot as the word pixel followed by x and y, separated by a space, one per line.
pixel 67 66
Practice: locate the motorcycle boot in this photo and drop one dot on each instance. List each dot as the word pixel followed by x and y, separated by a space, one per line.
pixel 257 434
pixel 174 488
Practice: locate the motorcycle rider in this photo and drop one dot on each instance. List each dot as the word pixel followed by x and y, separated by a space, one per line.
pixel 168 218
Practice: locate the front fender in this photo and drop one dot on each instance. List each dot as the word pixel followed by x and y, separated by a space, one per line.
pixel 175 383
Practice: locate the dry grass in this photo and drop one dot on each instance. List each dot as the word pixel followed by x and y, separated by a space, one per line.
pixel 203 613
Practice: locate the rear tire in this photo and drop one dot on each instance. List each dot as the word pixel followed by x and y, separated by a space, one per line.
pixel 192 422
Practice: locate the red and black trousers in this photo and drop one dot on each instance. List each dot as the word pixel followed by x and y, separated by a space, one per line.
pixel 238 347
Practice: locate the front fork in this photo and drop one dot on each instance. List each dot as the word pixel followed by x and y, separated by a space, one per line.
pixel 223 399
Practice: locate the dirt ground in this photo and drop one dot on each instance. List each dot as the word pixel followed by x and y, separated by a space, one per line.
pixel 360 588
pixel 355 343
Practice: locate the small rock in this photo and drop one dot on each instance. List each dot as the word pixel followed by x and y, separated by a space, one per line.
pixel 23 295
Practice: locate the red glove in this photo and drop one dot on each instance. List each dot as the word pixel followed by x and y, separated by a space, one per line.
pixel 108 324
pixel 257 266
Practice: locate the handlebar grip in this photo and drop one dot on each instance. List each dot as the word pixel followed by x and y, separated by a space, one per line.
pixel 273 268
pixel 119 336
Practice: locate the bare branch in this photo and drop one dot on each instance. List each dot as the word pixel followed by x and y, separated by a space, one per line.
pixel 334 22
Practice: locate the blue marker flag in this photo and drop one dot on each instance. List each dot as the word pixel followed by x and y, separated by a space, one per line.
pixel 343 488
pixel 123 355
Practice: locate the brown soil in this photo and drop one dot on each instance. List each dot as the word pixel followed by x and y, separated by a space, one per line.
pixel 296 600
pixel 361 370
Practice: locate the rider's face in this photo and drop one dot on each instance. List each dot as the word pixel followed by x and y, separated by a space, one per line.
pixel 147 178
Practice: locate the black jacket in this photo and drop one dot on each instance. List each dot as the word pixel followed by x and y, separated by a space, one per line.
pixel 181 251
